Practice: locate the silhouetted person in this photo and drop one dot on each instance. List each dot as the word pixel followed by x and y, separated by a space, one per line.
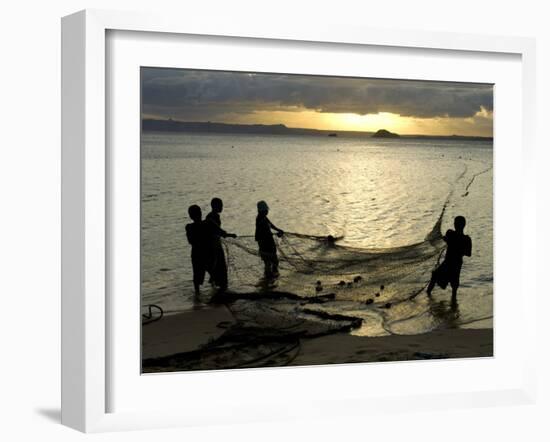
pixel 266 243
pixel 458 246
pixel 219 266
pixel 198 236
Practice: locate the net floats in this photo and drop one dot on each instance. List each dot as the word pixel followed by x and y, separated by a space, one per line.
pixel 349 284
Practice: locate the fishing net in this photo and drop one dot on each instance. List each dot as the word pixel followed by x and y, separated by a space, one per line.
pixel 316 265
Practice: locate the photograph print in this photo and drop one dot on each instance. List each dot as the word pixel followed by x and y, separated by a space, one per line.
pixel 299 220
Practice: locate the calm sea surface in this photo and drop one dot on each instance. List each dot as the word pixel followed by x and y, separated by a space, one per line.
pixel 376 193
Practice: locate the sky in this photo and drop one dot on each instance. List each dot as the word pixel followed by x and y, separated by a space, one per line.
pixel 318 102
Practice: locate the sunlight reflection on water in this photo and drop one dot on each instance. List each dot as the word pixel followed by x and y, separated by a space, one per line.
pixel 377 193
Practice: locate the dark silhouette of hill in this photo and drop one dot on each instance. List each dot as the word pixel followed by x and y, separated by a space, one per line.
pixel 151 125
pixel 154 125
pixel 383 133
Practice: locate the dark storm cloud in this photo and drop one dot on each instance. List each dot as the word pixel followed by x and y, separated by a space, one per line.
pixel 205 94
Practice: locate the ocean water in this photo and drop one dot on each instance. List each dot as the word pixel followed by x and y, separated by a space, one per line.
pixel 382 197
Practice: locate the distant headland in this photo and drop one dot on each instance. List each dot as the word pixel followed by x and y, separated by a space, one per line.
pixel 157 125
pixel 383 133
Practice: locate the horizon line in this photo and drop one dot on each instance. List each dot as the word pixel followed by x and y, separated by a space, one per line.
pixel 316 129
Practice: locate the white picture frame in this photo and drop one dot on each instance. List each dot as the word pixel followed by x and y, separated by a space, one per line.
pixel 86 206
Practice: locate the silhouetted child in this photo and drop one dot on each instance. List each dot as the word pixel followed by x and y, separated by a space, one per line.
pixel 219 266
pixel 458 246
pixel 198 237
pixel 266 243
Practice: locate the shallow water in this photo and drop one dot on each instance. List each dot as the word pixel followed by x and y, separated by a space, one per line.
pixel 377 193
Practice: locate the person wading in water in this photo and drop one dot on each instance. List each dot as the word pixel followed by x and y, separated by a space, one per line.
pixel 266 243
pixel 219 265
pixel 458 246
pixel 198 237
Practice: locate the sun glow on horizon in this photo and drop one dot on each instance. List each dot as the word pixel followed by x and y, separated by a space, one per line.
pixel 310 119
pixel 370 122
pixel 479 125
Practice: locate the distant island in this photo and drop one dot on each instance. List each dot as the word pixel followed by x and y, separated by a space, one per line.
pixel 383 133
pixel 157 125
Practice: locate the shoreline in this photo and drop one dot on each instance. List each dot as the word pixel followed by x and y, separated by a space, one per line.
pixel 437 344
pixel 195 340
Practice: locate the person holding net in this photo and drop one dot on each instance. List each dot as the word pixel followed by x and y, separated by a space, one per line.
pixel 266 243
pixel 217 259
pixel 458 246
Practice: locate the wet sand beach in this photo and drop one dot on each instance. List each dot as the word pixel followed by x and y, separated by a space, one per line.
pixel 212 338
pixel 438 344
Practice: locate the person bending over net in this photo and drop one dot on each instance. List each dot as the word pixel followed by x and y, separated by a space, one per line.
pixel 219 266
pixel 266 243
pixel 458 246
pixel 198 237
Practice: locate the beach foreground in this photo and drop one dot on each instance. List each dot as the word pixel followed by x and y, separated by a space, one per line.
pixel 208 338
pixel 439 344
